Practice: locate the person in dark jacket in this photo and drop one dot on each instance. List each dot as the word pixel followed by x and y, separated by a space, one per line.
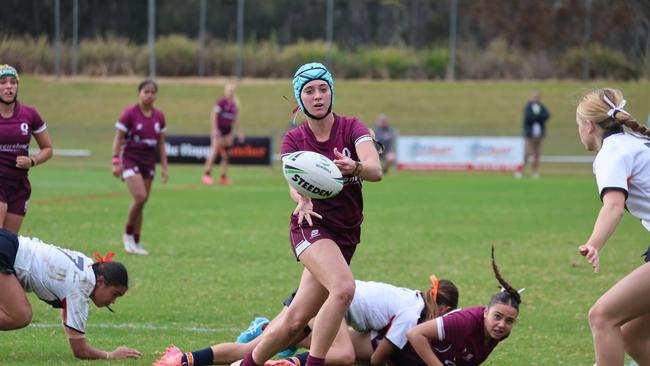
pixel 535 117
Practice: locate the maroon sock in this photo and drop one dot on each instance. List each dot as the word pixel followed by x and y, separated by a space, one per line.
pixel 129 230
pixel 136 236
pixel 315 361
pixel 248 360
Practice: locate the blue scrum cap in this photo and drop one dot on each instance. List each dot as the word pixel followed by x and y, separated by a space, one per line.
pixel 6 70
pixel 307 73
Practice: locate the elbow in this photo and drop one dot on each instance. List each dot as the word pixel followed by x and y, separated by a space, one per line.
pixel 79 354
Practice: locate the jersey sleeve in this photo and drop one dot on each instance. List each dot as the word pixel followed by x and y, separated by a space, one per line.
pixel 38 125
pixel 289 144
pixel 124 122
pixel 455 327
pixel 359 132
pixel 163 124
pixel 75 311
pixel 401 323
pixel 612 168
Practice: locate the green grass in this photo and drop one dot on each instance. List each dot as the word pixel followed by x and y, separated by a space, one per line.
pixel 89 109
pixel 220 255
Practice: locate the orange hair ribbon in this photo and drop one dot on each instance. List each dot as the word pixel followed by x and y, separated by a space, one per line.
pixel 434 287
pixel 104 259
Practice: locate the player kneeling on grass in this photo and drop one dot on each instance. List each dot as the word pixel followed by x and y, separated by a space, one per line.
pixel 64 279
pixel 466 336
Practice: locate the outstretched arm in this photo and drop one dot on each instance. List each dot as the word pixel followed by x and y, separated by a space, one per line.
pixel 83 350
pixel 420 337
pixel 608 218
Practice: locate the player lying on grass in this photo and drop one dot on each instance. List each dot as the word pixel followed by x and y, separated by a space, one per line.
pixel 380 315
pixel 64 279
pixel 463 337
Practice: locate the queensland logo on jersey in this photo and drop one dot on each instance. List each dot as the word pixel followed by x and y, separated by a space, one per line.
pixel 156 127
pixel 138 126
pixel 24 127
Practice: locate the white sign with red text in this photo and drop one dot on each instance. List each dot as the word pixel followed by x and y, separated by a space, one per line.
pixel 460 153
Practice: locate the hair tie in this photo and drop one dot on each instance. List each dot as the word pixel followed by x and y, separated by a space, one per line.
pixel 615 108
pixel 434 287
pixel 104 259
pixel 503 289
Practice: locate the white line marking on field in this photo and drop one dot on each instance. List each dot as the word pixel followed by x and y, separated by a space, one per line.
pixel 139 326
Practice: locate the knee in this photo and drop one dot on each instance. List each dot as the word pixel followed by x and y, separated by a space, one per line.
pixel 348 358
pixel 599 317
pixel 20 320
pixel 295 323
pixel 343 292
pixel 140 198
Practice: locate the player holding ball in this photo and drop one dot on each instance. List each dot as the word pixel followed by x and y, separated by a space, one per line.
pixel 324 233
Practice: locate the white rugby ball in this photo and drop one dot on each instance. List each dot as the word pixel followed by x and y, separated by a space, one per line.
pixel 312 174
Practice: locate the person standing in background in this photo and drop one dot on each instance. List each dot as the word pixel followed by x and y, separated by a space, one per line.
pixel 535 117
pixel 385 136
pixel 223 120
pixel 18 122
pixel 139 131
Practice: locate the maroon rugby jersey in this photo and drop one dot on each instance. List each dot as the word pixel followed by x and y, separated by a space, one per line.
pixel 344 211
pixel 226 113
pixel 15 135
pixel 462 340
pixel 141 133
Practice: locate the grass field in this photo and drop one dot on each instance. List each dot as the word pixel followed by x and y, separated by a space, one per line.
pixel 220 255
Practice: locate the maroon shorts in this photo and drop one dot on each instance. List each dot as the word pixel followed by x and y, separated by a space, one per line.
pixel 15 193
pixel 303 236
pixel 225 130
pixel 131 167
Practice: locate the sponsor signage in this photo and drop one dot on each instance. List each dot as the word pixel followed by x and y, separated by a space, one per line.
pixel 460 153
pixel 255 150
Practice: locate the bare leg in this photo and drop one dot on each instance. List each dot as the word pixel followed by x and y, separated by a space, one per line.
pixel 636 339
pixel 226 141
pixel 138 190
pixel 326 263
pixel 209 161
pixel 280 333
pixel 362 345
pixel 627 300
pixel 137 225
pixel 15 311
pixel 13 222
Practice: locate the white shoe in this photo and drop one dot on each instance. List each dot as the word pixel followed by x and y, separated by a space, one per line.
pixel 140 250
pixel 519 175
pixel 535 175
pixel 129 244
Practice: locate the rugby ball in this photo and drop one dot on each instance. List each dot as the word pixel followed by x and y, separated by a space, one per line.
pixel 312 174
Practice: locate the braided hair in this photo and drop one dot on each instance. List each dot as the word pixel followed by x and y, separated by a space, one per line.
pixel 508 295
pixel 594 107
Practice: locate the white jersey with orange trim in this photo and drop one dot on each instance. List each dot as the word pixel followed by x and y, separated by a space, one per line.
pixel 61 277
pixel 380 307
pixel 623 163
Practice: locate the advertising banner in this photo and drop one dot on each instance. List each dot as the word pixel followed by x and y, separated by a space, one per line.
pixel 255 150
pixel 460 153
